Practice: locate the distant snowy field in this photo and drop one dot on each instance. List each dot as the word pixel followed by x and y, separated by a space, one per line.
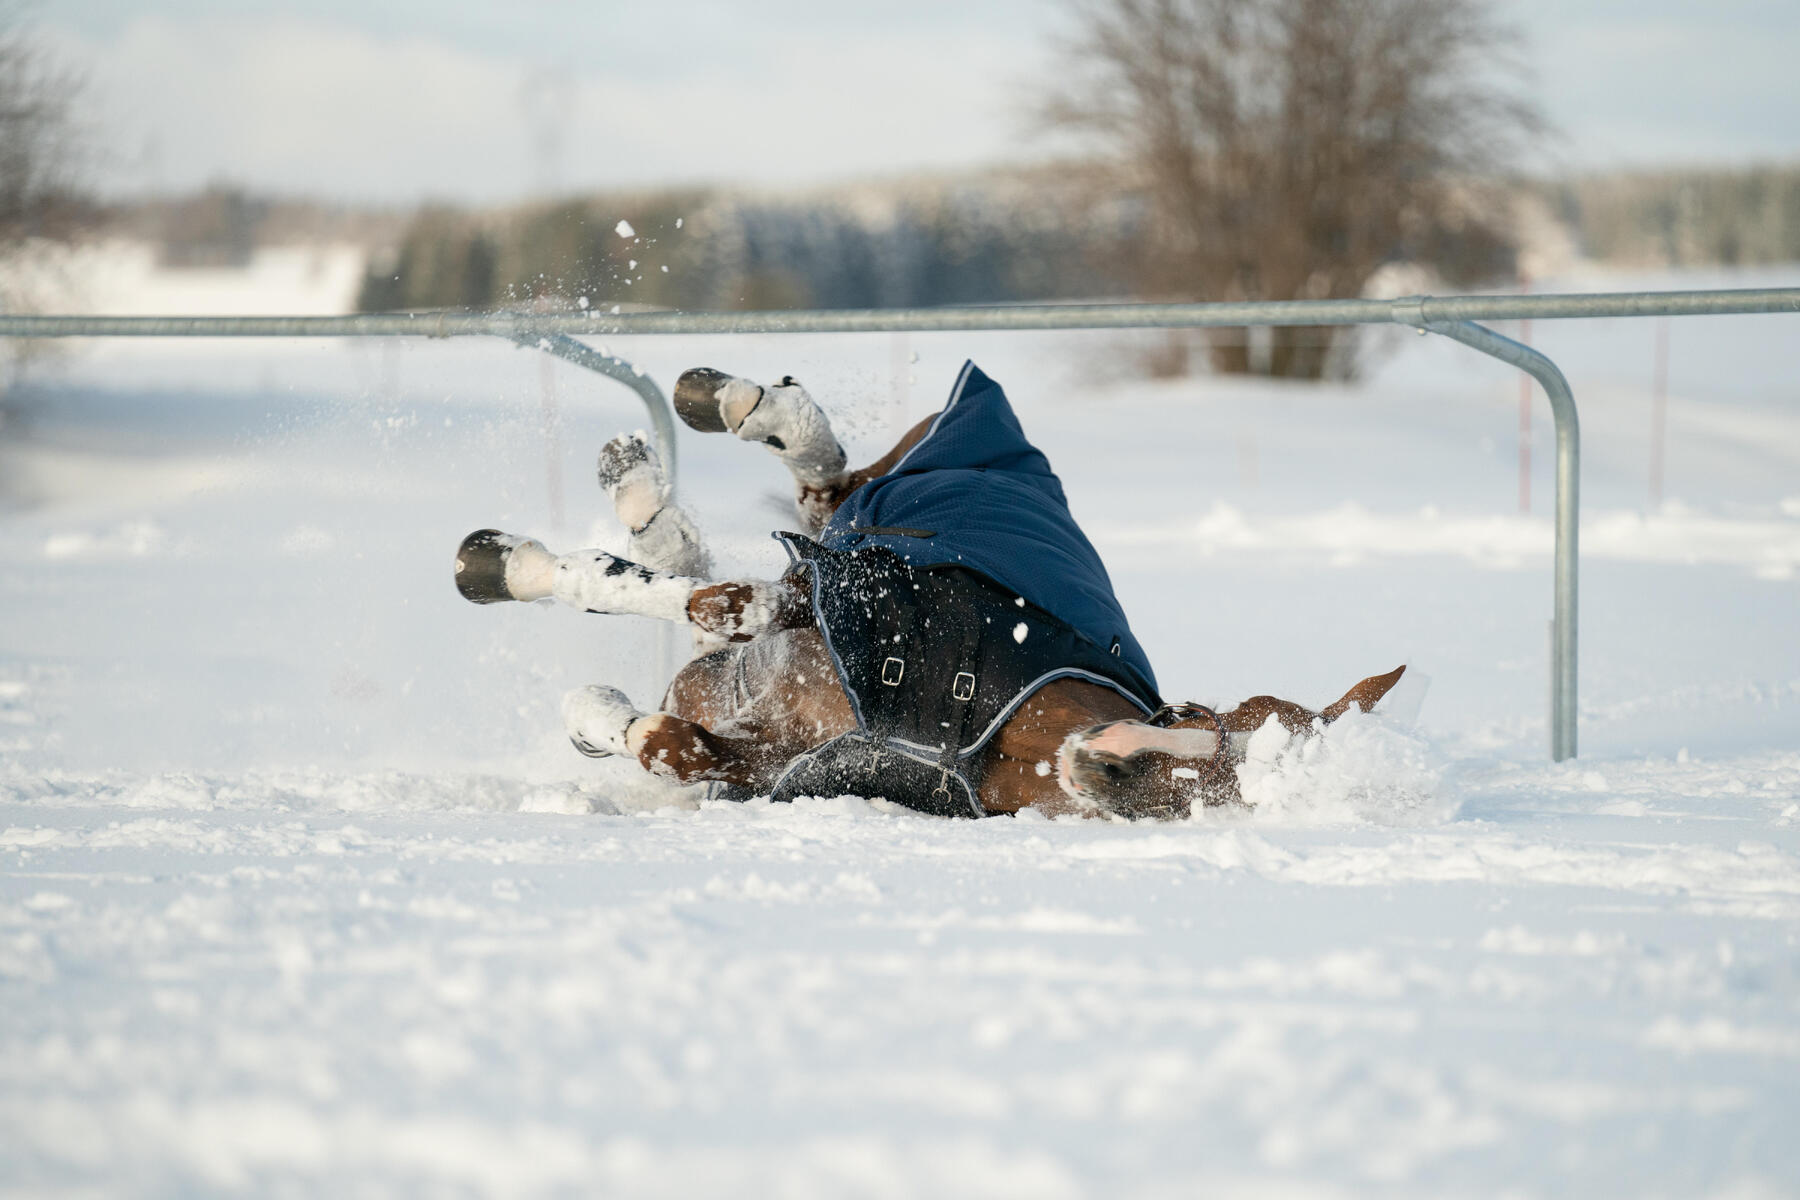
pixel 303 892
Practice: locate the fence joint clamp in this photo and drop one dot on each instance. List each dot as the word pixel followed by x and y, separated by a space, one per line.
pixel 1409 310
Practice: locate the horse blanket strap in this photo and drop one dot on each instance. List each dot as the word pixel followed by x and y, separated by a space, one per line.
pixel 933 659
pixel 892 531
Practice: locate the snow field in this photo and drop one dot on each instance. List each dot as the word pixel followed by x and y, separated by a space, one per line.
pixel 302 891
pixel 258 989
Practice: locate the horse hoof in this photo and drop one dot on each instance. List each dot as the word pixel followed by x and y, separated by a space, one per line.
pixel 492 566
pixel 697 399
pixel 481 566
pixel 596 718
pixel 623 455
pixel 582 747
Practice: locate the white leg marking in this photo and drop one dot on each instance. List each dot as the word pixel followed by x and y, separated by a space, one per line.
pixel 598 582
pixel 662 535
pixel 1122 739
pixel 790 423
pixel 1125 738
pixel 669 542
pixel 529 570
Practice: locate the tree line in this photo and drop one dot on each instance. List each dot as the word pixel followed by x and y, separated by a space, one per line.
pixel 1005 238
pixel 1215 150
pixel 993 240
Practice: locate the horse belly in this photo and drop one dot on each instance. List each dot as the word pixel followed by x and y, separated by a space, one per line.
pixel 780 687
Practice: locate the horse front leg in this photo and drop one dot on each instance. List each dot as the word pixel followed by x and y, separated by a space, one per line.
pixel 492 566
pixel 662 535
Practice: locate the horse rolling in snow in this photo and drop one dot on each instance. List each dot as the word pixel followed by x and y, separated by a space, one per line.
pixel 945 636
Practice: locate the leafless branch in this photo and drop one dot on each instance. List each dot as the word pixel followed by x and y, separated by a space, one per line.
pixel 1287 148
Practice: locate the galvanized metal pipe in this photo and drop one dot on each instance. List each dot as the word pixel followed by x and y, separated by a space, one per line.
pixel 662 415
pixel 1410 310
pixel 1564 602
pixel 662 423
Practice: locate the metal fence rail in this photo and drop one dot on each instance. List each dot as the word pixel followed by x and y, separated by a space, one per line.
pixel 1417 311
pixel 1454 317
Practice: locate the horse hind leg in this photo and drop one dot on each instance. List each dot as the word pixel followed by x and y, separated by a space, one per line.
pixel 785 419
pixel 663 536
pixel 782 416
pixel 601 722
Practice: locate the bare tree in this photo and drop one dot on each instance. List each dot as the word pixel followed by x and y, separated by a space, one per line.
pixel 38 138
pixel 38 162
pixel 1287 148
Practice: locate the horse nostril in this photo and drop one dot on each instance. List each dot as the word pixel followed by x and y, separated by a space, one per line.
pixel 1115 771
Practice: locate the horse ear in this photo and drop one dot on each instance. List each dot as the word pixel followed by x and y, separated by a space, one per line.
pixel 1365 695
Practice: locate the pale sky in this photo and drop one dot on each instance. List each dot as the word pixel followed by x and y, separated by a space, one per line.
pixel 400 100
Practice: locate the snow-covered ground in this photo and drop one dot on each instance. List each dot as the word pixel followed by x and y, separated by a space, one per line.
pixel 302 890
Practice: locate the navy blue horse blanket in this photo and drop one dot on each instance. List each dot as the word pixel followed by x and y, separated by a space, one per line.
pixel 991 503
pixel 949 591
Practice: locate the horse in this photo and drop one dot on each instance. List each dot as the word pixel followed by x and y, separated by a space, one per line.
pixel 944 637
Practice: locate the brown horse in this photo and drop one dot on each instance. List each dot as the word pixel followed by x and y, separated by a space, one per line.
pixel 767 688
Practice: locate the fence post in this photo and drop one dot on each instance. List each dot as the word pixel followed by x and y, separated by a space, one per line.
pixel 1563 641
pixel 662 415
pixel 1659 413
pixel 662 428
